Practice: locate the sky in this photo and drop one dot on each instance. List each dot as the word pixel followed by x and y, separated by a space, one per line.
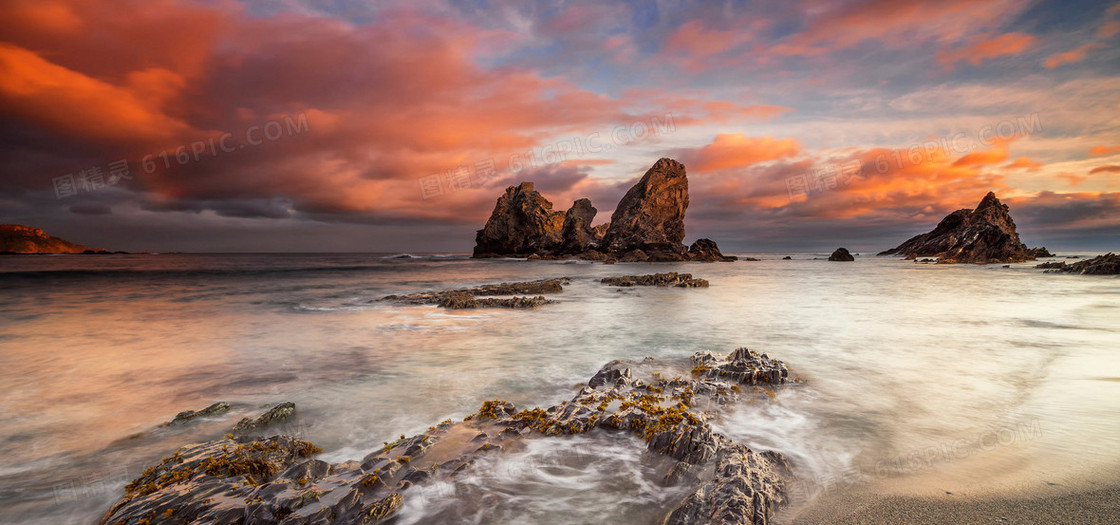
pixel 347 126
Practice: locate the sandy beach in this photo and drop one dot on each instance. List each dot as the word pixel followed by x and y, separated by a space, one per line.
pixel 1053 505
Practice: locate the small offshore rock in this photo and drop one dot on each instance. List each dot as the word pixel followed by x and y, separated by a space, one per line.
pixel 841 254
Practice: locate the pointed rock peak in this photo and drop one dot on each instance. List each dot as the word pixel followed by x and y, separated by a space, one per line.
pixel 666 162
pixel 984 235
pixel 990 200
pixel 525 187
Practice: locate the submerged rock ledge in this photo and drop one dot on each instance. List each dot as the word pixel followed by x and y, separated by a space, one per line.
pixel 483 296
pixel 242 480
pixel 680 280
pixel 1107 264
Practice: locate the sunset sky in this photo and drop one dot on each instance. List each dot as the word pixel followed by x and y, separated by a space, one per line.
pixel 319 125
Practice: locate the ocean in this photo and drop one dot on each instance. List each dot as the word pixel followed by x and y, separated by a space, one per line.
pixel 917 378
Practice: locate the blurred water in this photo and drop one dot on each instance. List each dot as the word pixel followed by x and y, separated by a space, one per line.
pixel 978 376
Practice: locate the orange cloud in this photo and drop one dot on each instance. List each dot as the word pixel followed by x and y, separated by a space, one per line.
pixel 893 22
pixel 1074 55
pixel 981 50
pixel 1024 162
pixel 1073 179
pixel 979 158
pixel 696 39
pixel 1109 29
pixel 736 150
pixel 1105 169
pixel 77 105
pixel 1100 151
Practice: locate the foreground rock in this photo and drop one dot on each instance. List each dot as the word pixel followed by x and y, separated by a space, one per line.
pixel 470 297
pixel 682 280
pixel 841 254
pixel 238 480
pixel 647 224
pixel 1107 264
pixel 15 238
pixel 984 235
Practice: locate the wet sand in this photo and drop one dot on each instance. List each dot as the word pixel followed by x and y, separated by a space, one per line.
pixel 1053 505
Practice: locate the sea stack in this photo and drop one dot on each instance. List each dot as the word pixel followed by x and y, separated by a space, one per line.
pixel 522 223
pixel 650 217
pixel 647 224
pixel 984 235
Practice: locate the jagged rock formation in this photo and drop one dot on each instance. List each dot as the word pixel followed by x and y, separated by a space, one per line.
pixel 647 224
pixel 522 223
pixel 15 238
pixel 650 217
pixel 483 296
pixel 1107 264
pixel 680 280
pixel 841 254
pixel 577 233
pixel 984 235
pixel 277 480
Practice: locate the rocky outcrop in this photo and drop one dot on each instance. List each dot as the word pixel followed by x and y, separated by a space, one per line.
pixel 841 254
pixel 278 480
pixel 15 238
pixel 276 414
pixel 983 235
pixel 647 224
pixel 483 296
pixel 650 217
pixel 220 407
pixel 522 223
pixel 705 250
pixel 577 234
pixel 460 301
pixel 1107 264
pixel 680 280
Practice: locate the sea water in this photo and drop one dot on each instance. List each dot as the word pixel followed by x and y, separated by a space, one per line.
pixel 917 377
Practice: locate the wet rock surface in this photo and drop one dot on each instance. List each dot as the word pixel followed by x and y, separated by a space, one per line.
pixel 220 407
pixel 983 235
pixel 483 296
pixel 1107 264
pixel 647 224
pixel 705 250
pixel 522 223
pixel 682 280
pixel 841 254
pixel 276 414
pixel 650 217
pixel 237 480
